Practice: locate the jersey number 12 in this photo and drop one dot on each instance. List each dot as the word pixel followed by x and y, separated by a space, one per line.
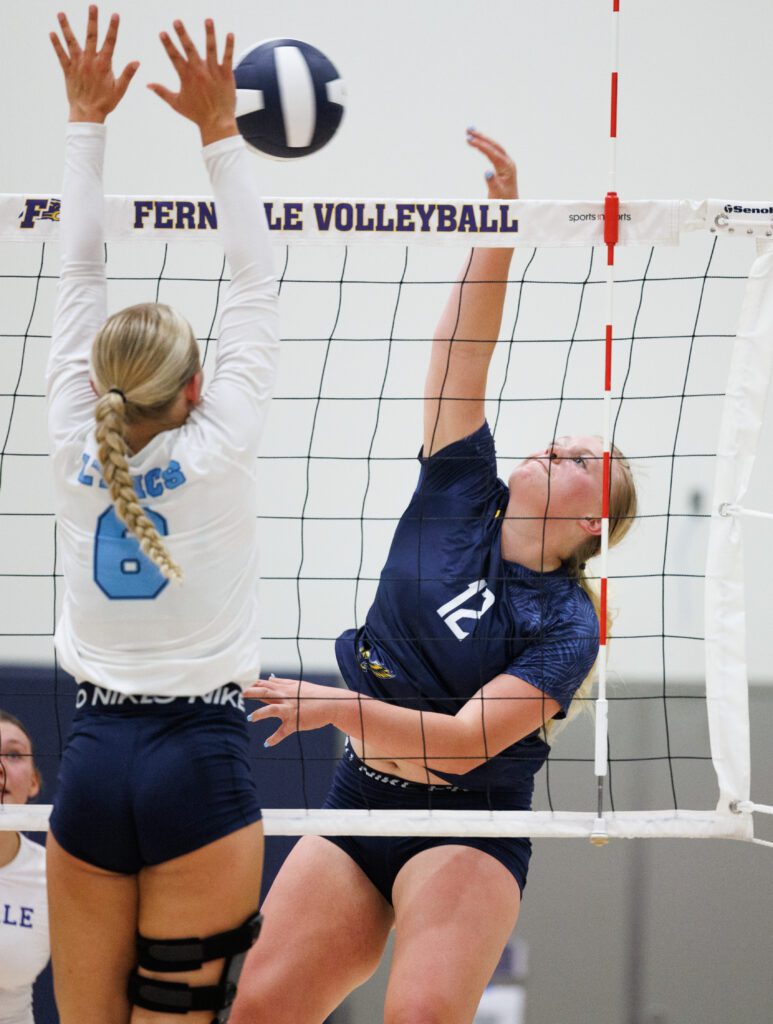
pixel 457 614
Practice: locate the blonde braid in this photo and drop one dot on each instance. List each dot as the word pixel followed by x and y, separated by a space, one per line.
pixel 112 453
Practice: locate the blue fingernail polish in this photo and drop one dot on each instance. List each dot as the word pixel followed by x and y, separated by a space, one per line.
pixel 265 744
pixel 471 128
pixel 249 716
pixel 488 175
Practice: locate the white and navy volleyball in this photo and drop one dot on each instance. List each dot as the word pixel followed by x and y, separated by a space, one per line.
pixel 289 98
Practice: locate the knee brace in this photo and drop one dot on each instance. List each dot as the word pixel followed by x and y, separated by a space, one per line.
pixel 165 956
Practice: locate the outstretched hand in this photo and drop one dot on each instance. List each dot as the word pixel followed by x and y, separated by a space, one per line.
pixel 297 704
pixel 502 179
pixel 93 90
pixel 207 93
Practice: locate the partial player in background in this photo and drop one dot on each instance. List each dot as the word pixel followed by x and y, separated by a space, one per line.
pixel 24 946
pixel 156 834
pixel 483 630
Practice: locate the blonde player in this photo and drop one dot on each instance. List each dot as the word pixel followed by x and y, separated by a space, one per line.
pixel 482 631
pixel 155 851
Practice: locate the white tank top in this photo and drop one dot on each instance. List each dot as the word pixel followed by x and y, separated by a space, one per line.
pixel 24 946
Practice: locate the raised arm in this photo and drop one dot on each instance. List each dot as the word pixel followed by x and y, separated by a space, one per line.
pixel 93 92
pixel 236 401
pixel 455 389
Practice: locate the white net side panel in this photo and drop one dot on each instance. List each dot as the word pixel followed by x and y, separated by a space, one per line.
pixel 746 393
pixel 338 459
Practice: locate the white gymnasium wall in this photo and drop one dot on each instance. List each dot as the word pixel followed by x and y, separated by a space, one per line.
pixel 694 122
pixel 535 74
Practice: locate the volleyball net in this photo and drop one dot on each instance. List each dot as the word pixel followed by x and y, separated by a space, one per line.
pixel 362 285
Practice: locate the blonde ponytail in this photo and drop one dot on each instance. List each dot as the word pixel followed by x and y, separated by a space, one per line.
pixel 141 358
pixel 622 512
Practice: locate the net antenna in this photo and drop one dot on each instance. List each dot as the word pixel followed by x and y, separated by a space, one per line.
pixel 611 225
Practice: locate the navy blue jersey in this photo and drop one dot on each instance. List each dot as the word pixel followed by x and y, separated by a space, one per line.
pixel 450 614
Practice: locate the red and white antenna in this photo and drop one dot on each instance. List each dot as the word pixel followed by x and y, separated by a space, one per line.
pixel 611 226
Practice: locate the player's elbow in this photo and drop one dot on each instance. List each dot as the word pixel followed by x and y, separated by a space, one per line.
pixel 465 765
pixel 464 755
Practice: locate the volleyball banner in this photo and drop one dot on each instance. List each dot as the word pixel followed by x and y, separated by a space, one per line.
pixel 403 221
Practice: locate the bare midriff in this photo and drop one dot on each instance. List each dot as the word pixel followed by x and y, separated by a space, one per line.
pixel 403 769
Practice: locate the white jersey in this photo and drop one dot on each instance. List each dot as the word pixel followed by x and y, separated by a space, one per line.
pixel 24 945
pixel 122 625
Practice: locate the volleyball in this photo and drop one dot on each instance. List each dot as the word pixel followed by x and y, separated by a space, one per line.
pixel 289 98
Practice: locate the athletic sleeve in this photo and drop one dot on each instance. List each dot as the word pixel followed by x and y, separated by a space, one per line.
pixel 80 308
pixel 466 468
pixel 235 403
pixel 558 661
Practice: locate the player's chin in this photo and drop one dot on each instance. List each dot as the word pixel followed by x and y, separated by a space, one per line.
pixel 528 477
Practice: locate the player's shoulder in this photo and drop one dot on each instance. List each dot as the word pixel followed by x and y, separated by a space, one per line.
pixel 463 469
pixel 579 623
pixel 206 442
pixel 35 852
pixel 479 443
pixel 558 603
pixel 574 604
pixel 582 599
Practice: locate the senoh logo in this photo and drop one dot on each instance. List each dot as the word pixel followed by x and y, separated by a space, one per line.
pixel 453 612
pixel 738 208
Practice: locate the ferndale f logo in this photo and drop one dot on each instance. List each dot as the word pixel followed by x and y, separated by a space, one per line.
pixel 39 209
pixel 452 614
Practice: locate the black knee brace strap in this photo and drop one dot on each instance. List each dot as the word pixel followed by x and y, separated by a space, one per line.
pixel 167 956
pixel 174 955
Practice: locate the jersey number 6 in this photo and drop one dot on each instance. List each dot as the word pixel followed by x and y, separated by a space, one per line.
pixel 121 570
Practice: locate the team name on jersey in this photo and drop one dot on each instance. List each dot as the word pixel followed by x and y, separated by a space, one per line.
pixel 146 485
pixel 16 917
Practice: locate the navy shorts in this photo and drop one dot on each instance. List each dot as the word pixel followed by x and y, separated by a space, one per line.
pixel 381 857
pixel 147 779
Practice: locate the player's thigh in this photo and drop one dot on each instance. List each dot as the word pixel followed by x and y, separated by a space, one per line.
pixel 325 927
pixel 93 921
pixel 455 908
pixel 211 890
